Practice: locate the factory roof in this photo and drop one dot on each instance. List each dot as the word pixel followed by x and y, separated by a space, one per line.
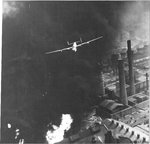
pixel 121 129
pixel 132 99
pixel 138 98
pixel 110 104
pixel 109 78
pixel 143 128
pixel 142 78
pixel 113 85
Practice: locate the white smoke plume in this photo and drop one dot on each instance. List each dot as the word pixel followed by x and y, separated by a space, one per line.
pixel 11 8
pixel 58 134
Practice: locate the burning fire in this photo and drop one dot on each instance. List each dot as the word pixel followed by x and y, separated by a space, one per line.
pixel 57 134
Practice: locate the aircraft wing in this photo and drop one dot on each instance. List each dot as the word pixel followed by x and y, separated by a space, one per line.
pixel 89 41
pixel 58 50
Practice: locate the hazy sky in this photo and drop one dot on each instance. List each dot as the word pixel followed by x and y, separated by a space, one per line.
pixel 45 26
pixel 66 82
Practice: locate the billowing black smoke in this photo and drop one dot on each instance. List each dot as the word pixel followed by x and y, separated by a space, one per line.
pixel 38 88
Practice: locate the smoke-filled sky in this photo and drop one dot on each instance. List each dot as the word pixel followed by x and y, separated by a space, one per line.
pixel 67 79
pixel 46 26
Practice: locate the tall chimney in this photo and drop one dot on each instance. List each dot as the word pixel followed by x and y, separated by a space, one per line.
pixel 101 85
pixel 131 72
pixel 123 93
pixel 147 81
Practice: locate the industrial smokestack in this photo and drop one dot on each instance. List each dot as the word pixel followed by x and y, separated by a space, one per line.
pixel 147 81
pixel 123 93
pixel 101 85
pixel 131 72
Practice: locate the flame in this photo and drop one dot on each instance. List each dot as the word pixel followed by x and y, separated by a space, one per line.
pixel 58 134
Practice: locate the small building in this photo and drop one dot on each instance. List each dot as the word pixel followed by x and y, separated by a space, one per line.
pixel 119 128
pixel 107 107
pixel 137 98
